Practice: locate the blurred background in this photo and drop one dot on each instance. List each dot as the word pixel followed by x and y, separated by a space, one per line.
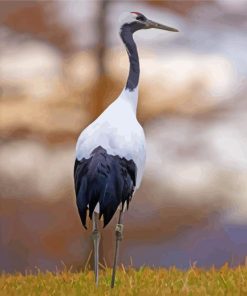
pixel 61 64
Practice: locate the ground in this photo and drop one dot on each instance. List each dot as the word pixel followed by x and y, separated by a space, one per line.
pixel 144 281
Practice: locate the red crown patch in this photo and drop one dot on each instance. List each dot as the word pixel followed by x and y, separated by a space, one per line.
pixel 136 12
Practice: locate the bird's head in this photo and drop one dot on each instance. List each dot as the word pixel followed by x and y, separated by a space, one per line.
pixel 137 21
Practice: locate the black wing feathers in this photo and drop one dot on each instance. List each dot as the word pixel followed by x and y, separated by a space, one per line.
pixel 107 179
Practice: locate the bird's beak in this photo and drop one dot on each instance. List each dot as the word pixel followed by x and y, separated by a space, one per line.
pixel 151 24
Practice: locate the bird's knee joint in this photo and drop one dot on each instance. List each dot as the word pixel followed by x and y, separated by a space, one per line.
pixel 119 231
pixel 95 234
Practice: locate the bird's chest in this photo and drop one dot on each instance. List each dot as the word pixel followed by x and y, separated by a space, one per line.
pixel 114 135
pixel 119 134
pixel 123 138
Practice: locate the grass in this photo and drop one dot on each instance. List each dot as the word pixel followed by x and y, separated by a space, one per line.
pixel 144 281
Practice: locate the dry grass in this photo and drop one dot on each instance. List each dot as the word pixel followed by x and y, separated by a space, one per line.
pixel 145 281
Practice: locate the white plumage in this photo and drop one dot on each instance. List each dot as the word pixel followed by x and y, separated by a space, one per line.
pixel 118 131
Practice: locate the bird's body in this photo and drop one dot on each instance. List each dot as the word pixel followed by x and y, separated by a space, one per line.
pixel 110 152
pixel 118 131
pixel 121 139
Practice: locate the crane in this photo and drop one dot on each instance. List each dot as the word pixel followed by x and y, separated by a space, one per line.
pixel 110 152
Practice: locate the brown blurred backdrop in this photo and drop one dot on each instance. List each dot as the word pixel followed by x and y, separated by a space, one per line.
pixel 61 64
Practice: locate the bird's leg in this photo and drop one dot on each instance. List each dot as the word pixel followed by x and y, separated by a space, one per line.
pixel 96 240
pixel 119 237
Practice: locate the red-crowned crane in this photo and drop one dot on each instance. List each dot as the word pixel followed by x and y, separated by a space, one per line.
pixel 110 152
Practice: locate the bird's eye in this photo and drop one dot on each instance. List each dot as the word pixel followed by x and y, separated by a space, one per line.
pixel 141 18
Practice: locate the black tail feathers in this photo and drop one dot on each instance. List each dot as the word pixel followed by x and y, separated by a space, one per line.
pixel 105 179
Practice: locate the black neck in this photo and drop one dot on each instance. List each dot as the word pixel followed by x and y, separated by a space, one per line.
pixel 126 34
